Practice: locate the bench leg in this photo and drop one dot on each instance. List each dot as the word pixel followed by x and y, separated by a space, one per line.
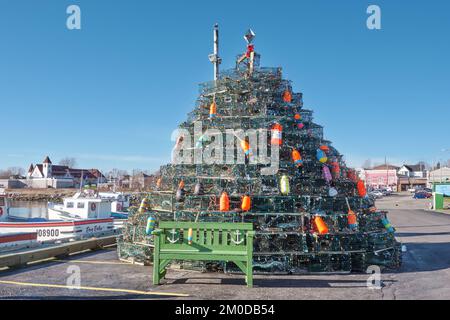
pixel 156 268
pixel 249 273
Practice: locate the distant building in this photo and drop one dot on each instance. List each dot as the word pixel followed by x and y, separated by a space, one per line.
pixel 12 183
pixel 47 175
pixel 141 181
pixel 386 167
pixel 412 177
pixel 398 178
pixel 376 178
pixel 413 171
pixel 439 175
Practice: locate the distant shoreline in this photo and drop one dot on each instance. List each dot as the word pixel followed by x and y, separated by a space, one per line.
pixel 44 195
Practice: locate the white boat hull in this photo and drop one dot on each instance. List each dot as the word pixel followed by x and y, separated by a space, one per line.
pixel 17 241
pixel 61 230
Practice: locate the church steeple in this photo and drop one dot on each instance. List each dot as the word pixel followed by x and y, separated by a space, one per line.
pixel 47 160
pixel 47 167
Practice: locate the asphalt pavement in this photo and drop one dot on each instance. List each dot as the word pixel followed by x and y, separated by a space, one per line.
pixel 425 273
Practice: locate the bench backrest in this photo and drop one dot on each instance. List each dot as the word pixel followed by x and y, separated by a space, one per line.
pixel 205 235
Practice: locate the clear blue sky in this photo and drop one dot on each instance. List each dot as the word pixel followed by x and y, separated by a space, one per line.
pixel 112 93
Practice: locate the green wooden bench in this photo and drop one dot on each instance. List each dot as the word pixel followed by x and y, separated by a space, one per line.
pixel 210 242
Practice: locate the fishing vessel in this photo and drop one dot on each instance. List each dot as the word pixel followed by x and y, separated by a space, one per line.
pixel 61 225
pixel 50 231
pixel 17 241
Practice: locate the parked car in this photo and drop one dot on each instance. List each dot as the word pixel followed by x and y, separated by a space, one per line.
pixel 376 194
pixel 386 192
pixel 422 195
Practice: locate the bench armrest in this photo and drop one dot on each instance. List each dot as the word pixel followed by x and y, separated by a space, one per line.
pixel 251 233
pixel 157 232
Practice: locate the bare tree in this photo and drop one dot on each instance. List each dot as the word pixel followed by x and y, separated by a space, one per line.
pixel 117 173
pixel 68 162
pixel 424 165
pixel 16 171
pixel 4 174
pixel 12 171
pixel 367 164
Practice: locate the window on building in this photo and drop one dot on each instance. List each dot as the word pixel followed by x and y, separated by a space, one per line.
pixel 80 205
pixel 70 205
pixel 2 202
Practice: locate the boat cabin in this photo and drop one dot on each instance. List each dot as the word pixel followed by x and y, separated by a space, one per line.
pixel 3 207
pixel 81 206
pixel 120 201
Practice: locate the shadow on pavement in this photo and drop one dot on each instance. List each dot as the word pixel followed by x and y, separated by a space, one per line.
pixel 422 257
pixel 50 263
pixel 279 283
pixel 421 234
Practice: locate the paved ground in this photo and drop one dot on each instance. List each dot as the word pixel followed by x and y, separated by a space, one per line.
pixel 425 273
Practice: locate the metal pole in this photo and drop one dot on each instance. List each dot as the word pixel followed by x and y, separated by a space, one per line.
pixel 216 51
pixel 214 58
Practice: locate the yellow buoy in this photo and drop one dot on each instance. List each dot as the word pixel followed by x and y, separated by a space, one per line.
pixel 284 185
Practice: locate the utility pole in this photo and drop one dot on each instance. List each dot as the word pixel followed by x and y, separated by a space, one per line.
pixel 387 172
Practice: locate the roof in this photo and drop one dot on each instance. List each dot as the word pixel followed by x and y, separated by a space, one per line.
pixel 414 167
pixel 442 171
pixel 97 173
pixel 47 160
pixel 385 167
pixel 39 166
pixel 87 174
pixel 31 168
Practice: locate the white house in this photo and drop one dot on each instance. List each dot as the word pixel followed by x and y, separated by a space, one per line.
pixel 412 171
pixel 47 175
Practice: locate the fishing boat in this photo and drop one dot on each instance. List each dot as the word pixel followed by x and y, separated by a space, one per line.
pixel 17 241
pixel 60 225
pixel 50 231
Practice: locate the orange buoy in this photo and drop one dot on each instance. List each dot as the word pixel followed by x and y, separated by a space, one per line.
pixel 298 117
pixel 324 148
pixel 320 225
pixel 287 96
pixel 246 203
pixel 335 168
pixel 352 219
pixel 179 142
pixel 245 146
pixel 213 110
pixel 181 185
pixel 224 202
pixel 362 192
pixel 277 134
pixel 297 158
pixel 351 175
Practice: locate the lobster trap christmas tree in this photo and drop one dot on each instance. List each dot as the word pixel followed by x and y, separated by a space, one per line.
pixel 250 151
